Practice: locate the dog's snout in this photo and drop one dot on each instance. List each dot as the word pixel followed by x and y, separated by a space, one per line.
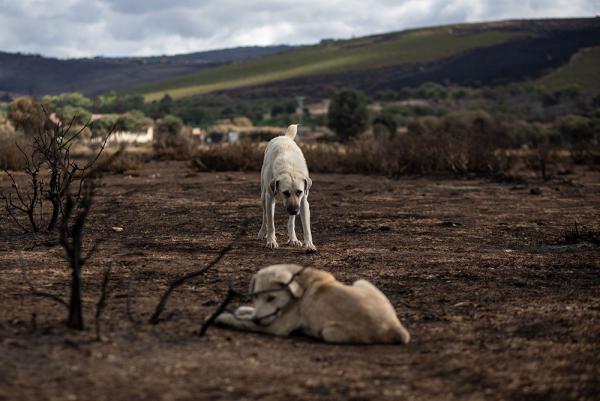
pixel 292 210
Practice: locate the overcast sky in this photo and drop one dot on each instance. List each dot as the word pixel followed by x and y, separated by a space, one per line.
pixel 80 28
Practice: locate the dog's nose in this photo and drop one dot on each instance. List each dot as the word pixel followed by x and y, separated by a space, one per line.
pixel 292 211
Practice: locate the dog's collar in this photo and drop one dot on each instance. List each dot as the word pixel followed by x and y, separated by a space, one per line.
pixel 285 287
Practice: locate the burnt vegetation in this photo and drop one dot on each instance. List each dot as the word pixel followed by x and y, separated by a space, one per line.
pixel 53 175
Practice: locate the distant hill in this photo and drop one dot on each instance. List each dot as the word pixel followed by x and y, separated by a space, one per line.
pixel 37 75
pixel 467 54
pixel 583 69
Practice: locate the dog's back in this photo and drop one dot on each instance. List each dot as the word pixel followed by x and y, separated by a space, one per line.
pixel 360 313
pixel 282 153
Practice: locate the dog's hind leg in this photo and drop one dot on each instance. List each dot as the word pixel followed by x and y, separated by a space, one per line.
pixel 336 334
pixel 292 239
pixel 305 217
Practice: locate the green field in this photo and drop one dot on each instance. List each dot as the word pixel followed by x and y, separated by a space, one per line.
pixel 417 46
pixel 583 70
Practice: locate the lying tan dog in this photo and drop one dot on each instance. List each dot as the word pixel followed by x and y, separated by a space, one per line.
pixel 290 297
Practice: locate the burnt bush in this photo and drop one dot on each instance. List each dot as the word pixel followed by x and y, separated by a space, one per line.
pixel 10 156
pixel 404 154
pixel 242 156
pixel 120 162
pixel 180 147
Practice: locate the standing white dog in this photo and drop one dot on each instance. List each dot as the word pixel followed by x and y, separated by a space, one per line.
pixel 284 173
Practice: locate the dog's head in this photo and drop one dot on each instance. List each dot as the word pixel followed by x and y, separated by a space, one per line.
pixel 291 189
pixel 273 290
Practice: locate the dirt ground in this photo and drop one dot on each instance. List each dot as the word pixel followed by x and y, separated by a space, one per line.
pixel 498 306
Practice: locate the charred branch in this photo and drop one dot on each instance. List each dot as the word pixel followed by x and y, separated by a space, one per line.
pixel 155 318
pixel 71 240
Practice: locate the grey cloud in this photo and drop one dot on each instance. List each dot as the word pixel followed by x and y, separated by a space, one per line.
pixel 72 28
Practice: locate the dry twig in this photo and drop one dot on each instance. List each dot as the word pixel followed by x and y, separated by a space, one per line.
pixel 101 304
pixel 34 290
pixel 155 318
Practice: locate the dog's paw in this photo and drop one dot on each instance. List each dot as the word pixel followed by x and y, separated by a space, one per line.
pixel 294 242
pixel 272 243
pixel 262 235
pixel 226 318
pixel 244 313
pixel 310 248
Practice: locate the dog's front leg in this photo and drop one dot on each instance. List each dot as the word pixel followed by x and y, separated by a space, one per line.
pixel 231 320
pixel 270 204
pixel 292 239
pixel 262 234
pixel 305 217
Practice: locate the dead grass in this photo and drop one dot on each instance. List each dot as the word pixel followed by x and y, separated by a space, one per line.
pixel 10 157
pixel 407 154
pixel 120 162
pixel 578 234
pixel 243 156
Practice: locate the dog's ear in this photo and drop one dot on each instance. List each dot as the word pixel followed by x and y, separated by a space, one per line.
pixel 274 186
pixel 296 289
pixel 307 184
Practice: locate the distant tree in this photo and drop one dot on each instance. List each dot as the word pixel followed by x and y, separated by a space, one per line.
pixel 277 109
pixel 290 106
pixel 104 103
pixel 73 99
pixel 575 129
pixel 596 101
pixel 388 121
pixel 27 114
pixel 132 121
pixel 386 95
pixel 102 126
pixel 347 115
pixel 405 93
pixel 431 90
pixel 118 103
pixel 124 103
pixel 169 126
pixel 165 105
pixel 228 112
pixel 78 115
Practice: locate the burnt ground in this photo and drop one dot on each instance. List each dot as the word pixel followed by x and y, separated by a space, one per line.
pixel 499 307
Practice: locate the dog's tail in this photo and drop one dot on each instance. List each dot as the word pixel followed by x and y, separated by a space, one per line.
pixel 292 130
pixel 401 335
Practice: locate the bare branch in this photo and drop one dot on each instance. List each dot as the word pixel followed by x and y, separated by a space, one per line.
pixel 34 291
pixel 93 161
pixel 129 304
pixel 231 294
pixel 154 319
pixel 71 238
pixel 91 252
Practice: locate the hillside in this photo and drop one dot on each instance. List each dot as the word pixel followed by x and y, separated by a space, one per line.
pixel 583 69
pixel 470 54
pixel 37 75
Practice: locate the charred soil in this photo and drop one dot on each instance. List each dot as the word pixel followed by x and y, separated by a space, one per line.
pixel 498 306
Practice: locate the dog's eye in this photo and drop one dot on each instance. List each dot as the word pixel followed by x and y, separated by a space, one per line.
pixel 270 298
pixel 298 193
pixel 286 193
